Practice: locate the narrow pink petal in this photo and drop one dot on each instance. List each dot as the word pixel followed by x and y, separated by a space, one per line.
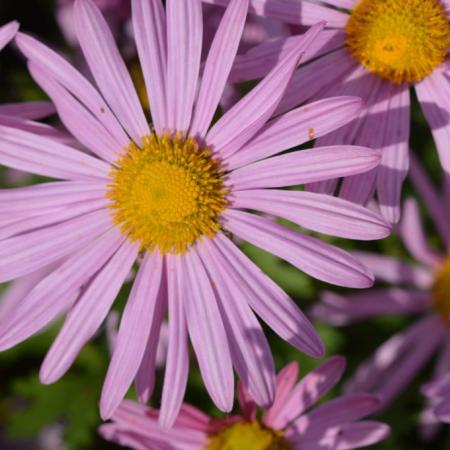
pixel 7 32
pixel 36 154
pixel 316 258
pixel 443 412
pixel 238 125
pixel 415 237
pixel 347 4
pixel 317 212
pixel 306 84
pixel 270 302
pixel 49 217
pixel 177 364
pixel 134 332
pixel 88 313
pixel 286 379
pixel 57 291
pixel 77 119
pixel 307 392
pixel 305 166
pixel 27 110
pixel 184 47
pixel 398 361
pixel 291 11
pixel 74 82
pixel 361 434
pixel 109 69
pixel 432 199
pixel 395 160
pixel 218 65
pixel 432 92
pixel 246 403
pixel 26 253
pixel 249 348
pixel 145 378
pixel 297 127
pixel 149 26
pixel 49 195
pixel 342 310
pixel 339 411
pixel 395 271
pixel 207 333
pixel 260 59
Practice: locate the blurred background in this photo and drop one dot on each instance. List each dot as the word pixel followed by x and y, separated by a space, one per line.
pixel 65 415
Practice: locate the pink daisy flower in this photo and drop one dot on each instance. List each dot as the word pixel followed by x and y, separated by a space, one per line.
pixel 420 288
pixel 292 422
pixel 167 197
pixel 377 50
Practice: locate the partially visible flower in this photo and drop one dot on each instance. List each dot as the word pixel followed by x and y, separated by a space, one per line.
pixel 438 394
pixel 291 423
pixel 167 196
pixel 421 288
pixel 377 50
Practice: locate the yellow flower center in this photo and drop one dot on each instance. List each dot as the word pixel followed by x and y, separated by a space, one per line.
pixel 168 193
pixel 248 436
pixel 402 41
pixel 441 290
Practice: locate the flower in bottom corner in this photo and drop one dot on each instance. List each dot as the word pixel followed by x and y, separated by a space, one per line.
pixel 292 422
pixel 165 198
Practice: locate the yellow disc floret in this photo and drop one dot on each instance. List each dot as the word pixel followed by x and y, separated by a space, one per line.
pixel 441 290
pixel 168 193
pixel 402 41
pixel 248 436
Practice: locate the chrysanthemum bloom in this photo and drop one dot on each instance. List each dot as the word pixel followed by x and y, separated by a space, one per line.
pixel 291 423
pixel 378 50
pixel 168 197
pixel 438 394
pixel 421 288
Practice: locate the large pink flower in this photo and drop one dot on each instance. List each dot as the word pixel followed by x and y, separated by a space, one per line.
pixel 377 50
pixel 166 196
pixel 291 423
pixel 421 288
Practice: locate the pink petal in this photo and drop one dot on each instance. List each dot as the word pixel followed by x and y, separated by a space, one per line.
pixel 297 127
pixel 27 110
pixel 7 32
pixel 150 35
pixel 432 93
pixel 238 125
pixel 347 4
pixel 74 82
pixel 259 60
pixel 57 291
pixel 36 154
pixel 307 392
pixel 218 65
pixel 392 270
pixel 270 302
pixel 431 197
pixel 134 332
pixel 250 351
pixel 78 120
pixel 286 379
pixel 395 160
pixel 246 403
pixel 207 333
pixel 88 314
pixel 108 68
pixel 184 46
pixel 291 11
pixel 414 236
pixel 316 258
pixel 317 212
pixel 342 310
pixel 361 434
pixel 305 166
pixel 177 364
pixel 26 253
